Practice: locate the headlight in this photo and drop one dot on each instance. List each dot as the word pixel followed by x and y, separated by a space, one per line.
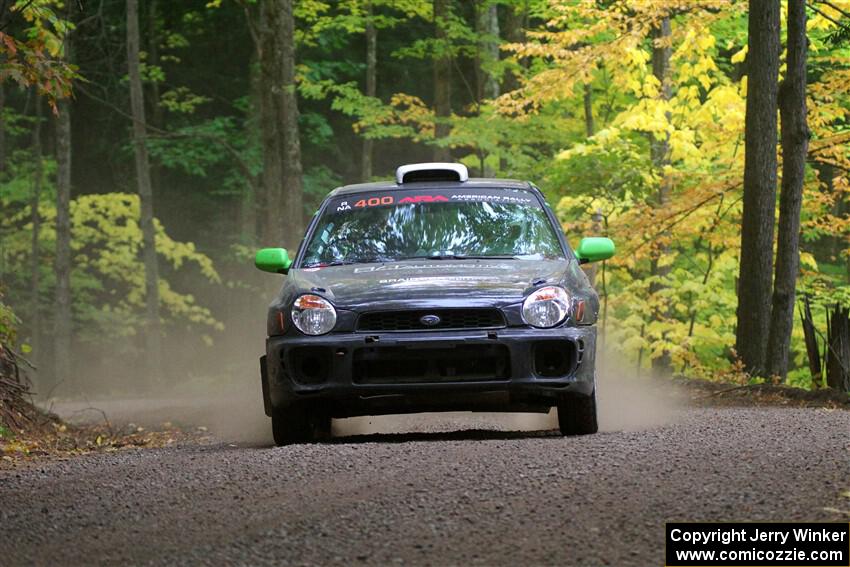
pixel 313 315
pixel 546 307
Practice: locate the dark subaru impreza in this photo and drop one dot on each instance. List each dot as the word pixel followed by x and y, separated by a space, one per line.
pixel 433 293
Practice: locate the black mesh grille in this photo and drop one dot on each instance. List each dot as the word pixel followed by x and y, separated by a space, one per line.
pixel 405 365
pixel 448 319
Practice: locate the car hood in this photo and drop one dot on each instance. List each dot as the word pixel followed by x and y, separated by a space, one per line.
pixel 431 283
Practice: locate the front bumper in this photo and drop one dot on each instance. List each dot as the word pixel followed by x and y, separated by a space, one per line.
pixel 348 374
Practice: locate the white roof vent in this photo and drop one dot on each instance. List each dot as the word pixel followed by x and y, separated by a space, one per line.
pixel 431 172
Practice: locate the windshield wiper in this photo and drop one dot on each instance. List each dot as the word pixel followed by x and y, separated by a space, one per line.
pixel 459 257
pixel 334 263
pixel 484 257
pixel 423 257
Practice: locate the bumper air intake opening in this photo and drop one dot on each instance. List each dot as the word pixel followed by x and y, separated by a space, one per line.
pixel 310 365
pixel 554 359
pixel 413 365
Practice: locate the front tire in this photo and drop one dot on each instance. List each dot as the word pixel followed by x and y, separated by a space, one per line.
pixel 297 424
pixel 577 415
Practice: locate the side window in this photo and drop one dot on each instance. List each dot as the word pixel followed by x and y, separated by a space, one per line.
pixel 303 244
pixel 319 243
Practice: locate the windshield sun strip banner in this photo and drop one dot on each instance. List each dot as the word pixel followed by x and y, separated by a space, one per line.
pixel 394 198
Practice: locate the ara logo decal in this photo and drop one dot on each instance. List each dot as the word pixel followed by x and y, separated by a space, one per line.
pixel 424 199
pixel 344 206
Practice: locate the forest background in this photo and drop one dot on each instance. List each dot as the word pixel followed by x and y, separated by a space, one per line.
pixel 211 128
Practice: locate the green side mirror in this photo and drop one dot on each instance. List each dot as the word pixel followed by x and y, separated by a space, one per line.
pixel 274 260
pixel 594 249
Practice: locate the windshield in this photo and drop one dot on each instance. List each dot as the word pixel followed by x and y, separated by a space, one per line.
pixel 397 225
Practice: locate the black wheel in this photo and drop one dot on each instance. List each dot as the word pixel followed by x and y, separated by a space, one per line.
pixel 290 425
pixel 297 424
pixel 577 415
pixel 320 425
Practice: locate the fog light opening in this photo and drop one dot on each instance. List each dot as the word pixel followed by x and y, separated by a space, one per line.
pixel 311 365
pixel 311 368
pixel 552 359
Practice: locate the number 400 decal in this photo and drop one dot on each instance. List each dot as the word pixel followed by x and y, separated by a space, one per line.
pixel 389 200
pixel 374 201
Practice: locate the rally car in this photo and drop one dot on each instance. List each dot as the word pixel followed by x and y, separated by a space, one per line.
pixel 435 292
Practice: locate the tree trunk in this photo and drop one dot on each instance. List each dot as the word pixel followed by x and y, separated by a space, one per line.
pixel 660 153
pixel 252 194
pixel 837 359
pixel 271 80
pixel 63 325
pixel 35 252
pixel 589 128
pixel 293 192
pixel 442 79
pixel 487 53
pixel 514 32
pixel 253 216
pixel 153 346
pixel 595 229
pixel 756 263
pixel 812 347
pixel 795 146
pixel 2 130
pixel 371 87
pixel 487 30
pixel 826 177
pixel 156 119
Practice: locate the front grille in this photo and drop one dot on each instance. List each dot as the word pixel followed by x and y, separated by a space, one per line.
pixel 418 365
pixel 411 320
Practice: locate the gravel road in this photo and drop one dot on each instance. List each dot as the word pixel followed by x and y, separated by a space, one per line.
pixel 467 497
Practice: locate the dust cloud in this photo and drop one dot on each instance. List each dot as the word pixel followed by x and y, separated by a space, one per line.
pixel 217 390
pixel 227 407
pixel 209 388
pixel 626 402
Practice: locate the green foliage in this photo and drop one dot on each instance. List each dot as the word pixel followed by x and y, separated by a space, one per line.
pixel 182 100
pixel 197 148
pixel 8 324
pixel 107 280
pixel 346 17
